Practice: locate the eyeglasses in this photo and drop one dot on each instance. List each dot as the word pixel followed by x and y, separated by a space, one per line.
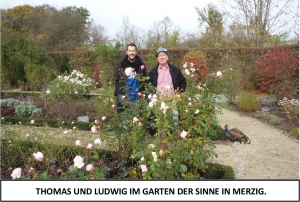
pixel 161 55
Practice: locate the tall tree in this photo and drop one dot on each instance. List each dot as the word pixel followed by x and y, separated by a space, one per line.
pixel 97 34
pixel 261 18
pixel 68 30
pixel 213 18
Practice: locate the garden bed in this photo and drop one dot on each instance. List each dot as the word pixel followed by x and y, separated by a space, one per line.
pixel 275 118
pixel 114 168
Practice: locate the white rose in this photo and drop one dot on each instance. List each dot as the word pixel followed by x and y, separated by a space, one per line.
pixel 135 120
pixel 128 71
pixel 94 129
pixel 78 162
pixel 183 134
pixel 16 173
pixel 89 146
pixel 38 156
pixel 98 141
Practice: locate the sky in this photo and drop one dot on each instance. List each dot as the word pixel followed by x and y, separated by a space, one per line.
pixel 141 13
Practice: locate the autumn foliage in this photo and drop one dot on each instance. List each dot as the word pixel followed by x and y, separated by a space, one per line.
pixel 277 73
pixel 197 57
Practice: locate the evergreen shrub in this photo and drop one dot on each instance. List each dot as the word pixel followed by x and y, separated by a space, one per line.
pixel 64 67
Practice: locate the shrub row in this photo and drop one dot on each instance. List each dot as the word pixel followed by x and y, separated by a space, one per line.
pixel 46 122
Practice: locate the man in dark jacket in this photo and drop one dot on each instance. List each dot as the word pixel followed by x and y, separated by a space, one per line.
pixel 165 76
pixel 126 77
pixel 167 79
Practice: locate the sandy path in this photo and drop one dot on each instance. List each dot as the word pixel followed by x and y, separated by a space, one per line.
pixel 271 154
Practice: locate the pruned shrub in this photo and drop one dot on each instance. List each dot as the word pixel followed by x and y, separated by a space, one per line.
pixel 42 122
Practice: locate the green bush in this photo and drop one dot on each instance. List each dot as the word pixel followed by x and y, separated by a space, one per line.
pixel 10 103
pixel 69 87
pixel 217 171
pixel 16 153
pixel 220 133
pixel 295 132
pixel 247 102
pixel 269 101
pixel 151 59
pixel 64 67
pixel 46 122
pixel 20 76
pixel 107 57
pixel 26 109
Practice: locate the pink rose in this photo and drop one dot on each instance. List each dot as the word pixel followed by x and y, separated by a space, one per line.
pixel 144 168
pixel 89 167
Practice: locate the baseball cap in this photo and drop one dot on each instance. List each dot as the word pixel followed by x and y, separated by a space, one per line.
pixel 160 49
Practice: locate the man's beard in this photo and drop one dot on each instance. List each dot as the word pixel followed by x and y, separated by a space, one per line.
pixel 131 60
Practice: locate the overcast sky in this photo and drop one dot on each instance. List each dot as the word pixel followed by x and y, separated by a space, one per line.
pixel 141 13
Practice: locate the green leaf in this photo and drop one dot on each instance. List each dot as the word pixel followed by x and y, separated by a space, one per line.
pixel 183 168
pixel 44 175
pixel 73 169
pixel 96 156
pixel 81 173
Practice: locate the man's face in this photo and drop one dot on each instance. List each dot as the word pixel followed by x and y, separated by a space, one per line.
pixel 162 58
pixel 131 53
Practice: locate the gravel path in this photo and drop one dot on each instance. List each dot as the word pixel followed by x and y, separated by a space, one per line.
pixel 271 154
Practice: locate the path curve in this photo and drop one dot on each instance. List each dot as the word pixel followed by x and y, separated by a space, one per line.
pixel 271 154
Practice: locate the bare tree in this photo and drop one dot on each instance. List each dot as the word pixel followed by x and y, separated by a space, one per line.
pixel 166 25
pixel 262 18
pixel 161 32
pixel 191 40
pixel 97 34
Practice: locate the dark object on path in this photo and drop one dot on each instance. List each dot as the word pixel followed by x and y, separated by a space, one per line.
pixel 234 134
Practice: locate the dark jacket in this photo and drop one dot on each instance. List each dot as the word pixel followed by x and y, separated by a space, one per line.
pixel 179 81
pixel 120 77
